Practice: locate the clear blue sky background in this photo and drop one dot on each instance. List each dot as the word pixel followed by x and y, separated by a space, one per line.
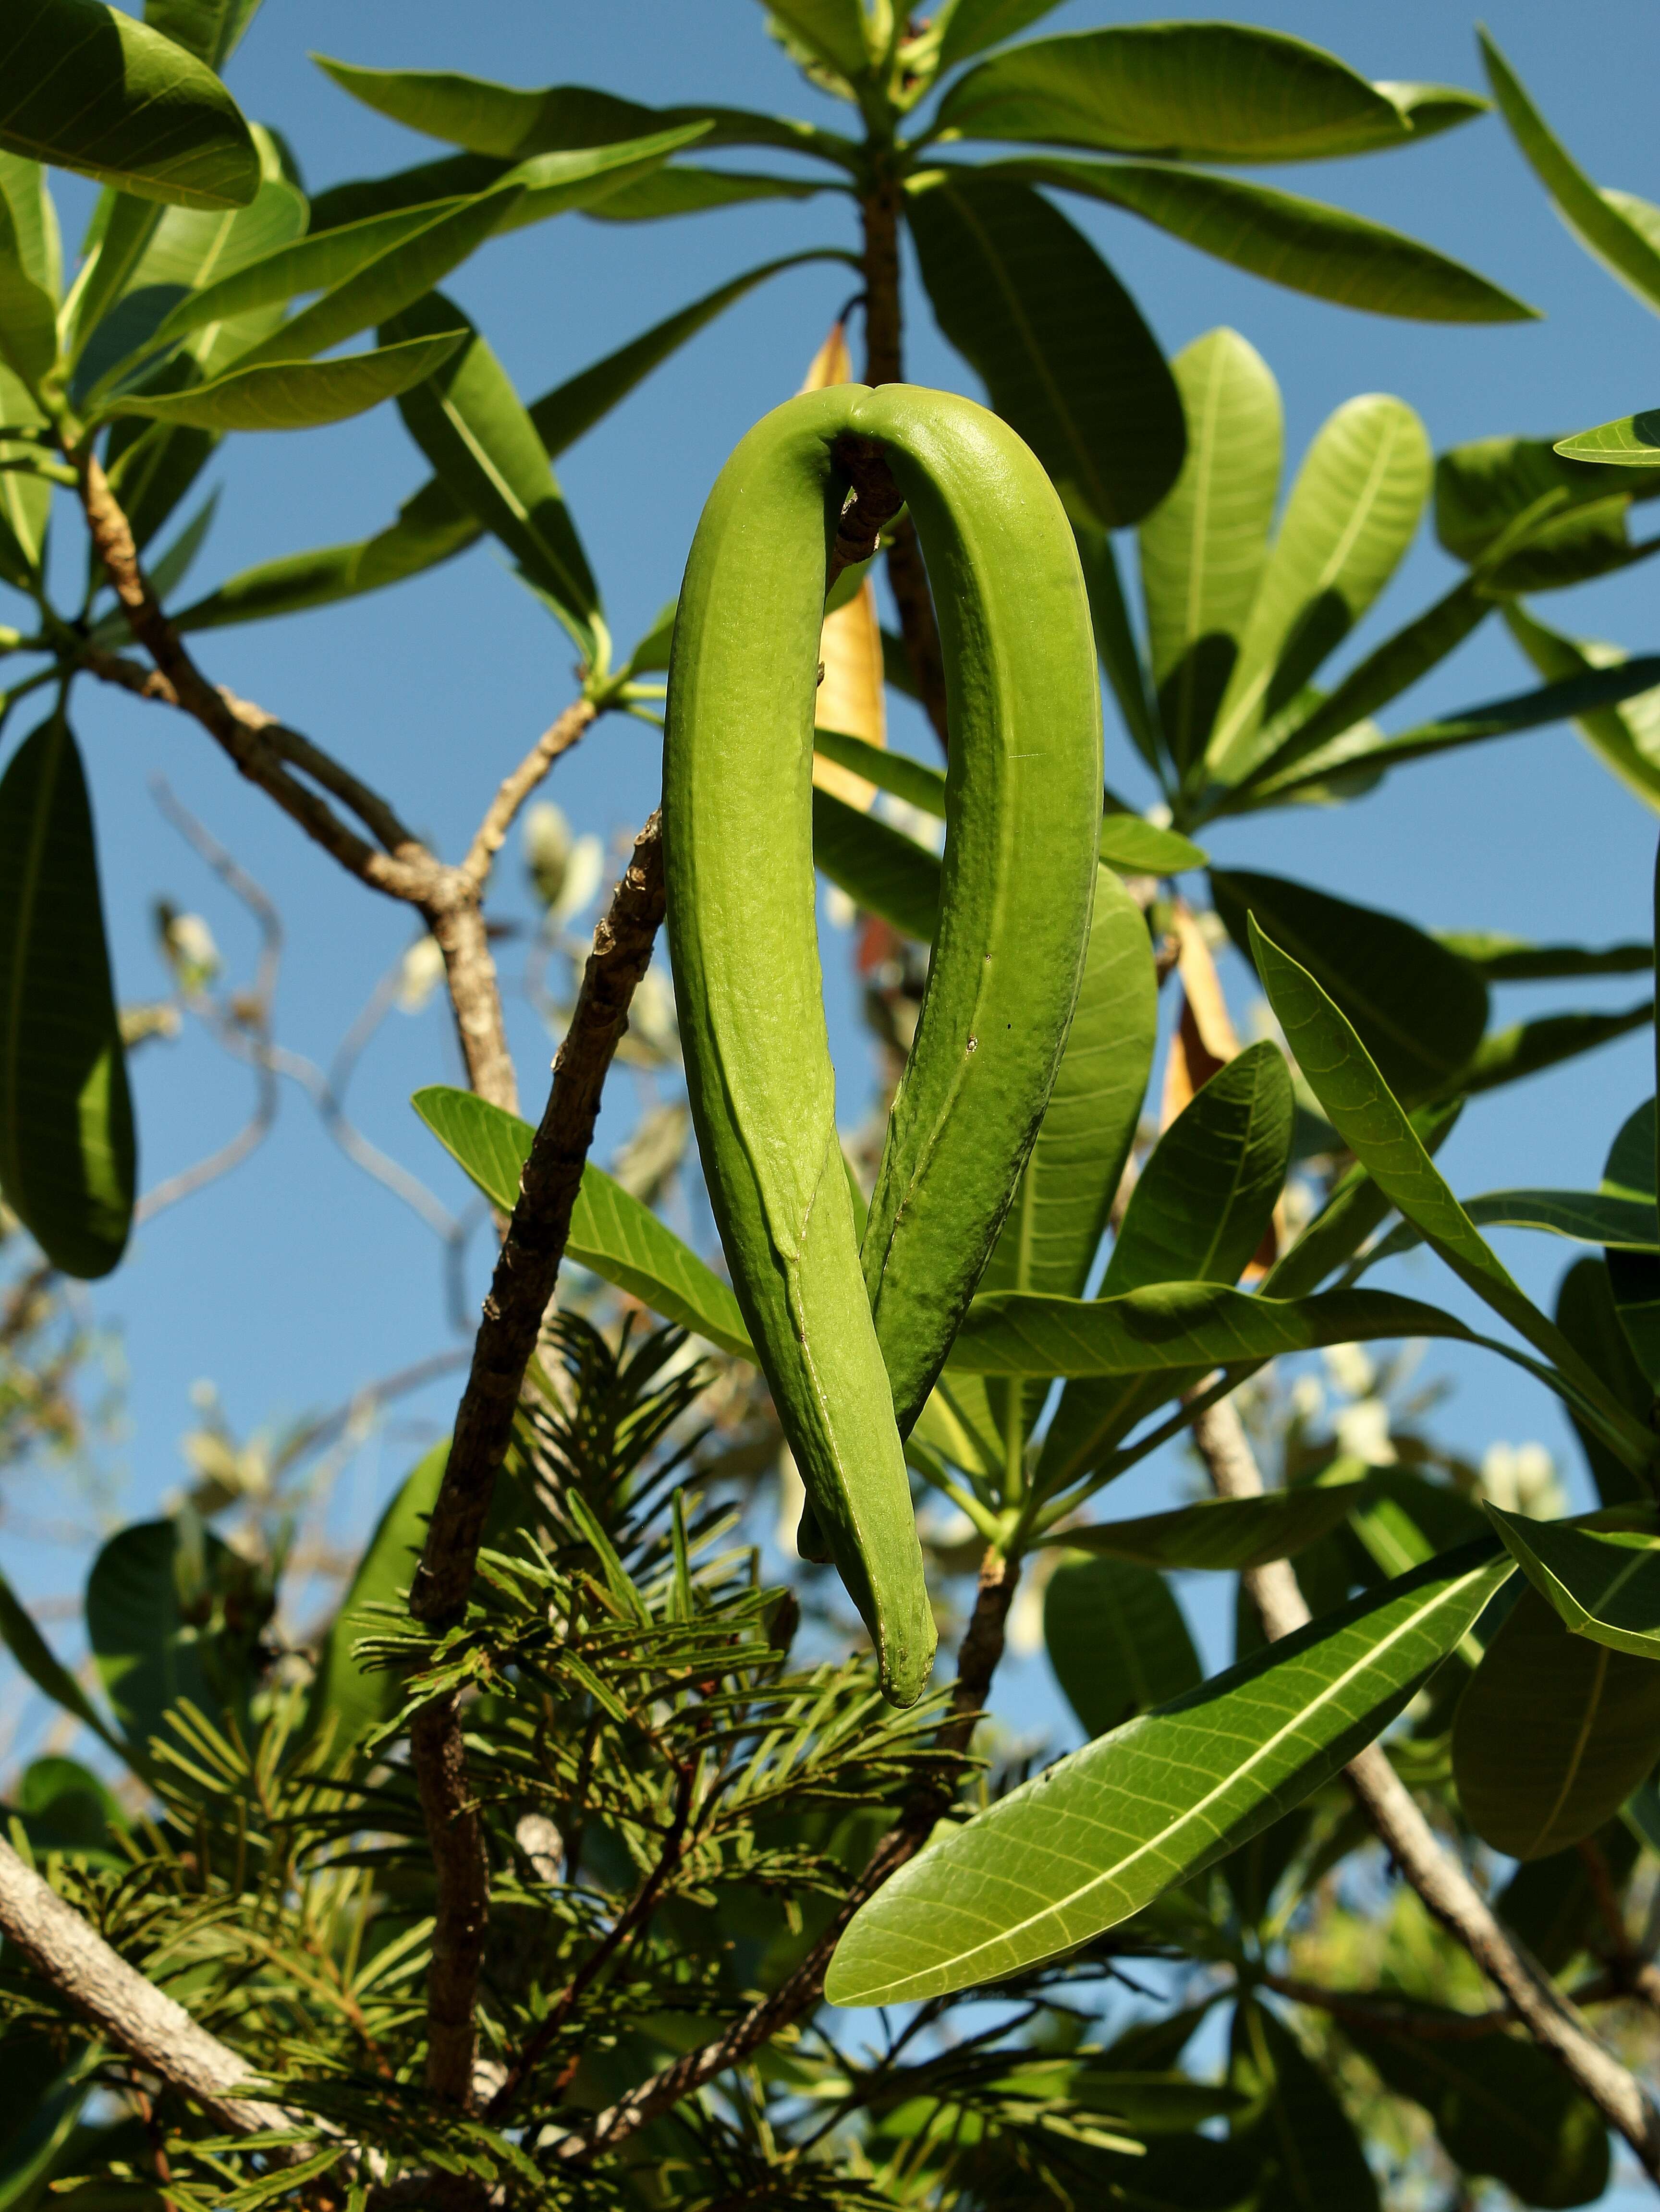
pixel 296 1281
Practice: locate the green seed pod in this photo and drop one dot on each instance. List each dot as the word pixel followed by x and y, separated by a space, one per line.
pixel 851 1347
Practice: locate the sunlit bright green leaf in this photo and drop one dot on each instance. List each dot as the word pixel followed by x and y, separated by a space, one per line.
pixel 298 395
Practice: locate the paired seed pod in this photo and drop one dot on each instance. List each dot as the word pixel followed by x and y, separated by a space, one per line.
pixel 852 1336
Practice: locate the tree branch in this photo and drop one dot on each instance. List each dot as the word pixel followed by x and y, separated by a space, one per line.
pixel 1432 1871
pixel 131 2011
pixel 526 1269
pixel 516 788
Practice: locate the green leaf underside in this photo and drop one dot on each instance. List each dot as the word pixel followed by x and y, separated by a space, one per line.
pixel 1059 344
pixel 298 395
pixel 1221 1533
pixel 345 1701
pixel 1116 1640
pixel 87 87
pixel 1603 1583
pixel 1552 1733
pixel 1101 1834
pixel 68 1159
pixel 1299 243
pixel 1586 1217
pixel 611 1233
pixel 1302 2143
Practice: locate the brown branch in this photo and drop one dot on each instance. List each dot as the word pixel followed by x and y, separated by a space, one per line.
pixel 516 788
pixel 526 1269
pixel 1394 2016
pixel 1437 1876
pixel 146 2023
pixel 884 364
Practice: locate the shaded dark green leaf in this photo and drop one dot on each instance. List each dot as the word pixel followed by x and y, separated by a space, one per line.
pixel 878 867
pixel 1310 2155
pixel 1116 1640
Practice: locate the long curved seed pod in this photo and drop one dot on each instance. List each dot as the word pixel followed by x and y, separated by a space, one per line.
pixel 852 1348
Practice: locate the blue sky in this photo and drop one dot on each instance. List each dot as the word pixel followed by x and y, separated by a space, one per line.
pixel 295 1281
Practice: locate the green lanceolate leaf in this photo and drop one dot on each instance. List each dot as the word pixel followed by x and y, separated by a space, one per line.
pixel 1553 1734
pixel 969 26
pixel 1604 1582
pixel 1504 959
pixel 1351 514
pixel 1587 1317
pixel 1050 1238
pixel 1138 847
pixel 67 1155
pixel 1059 341
pixel 1299 243
pixel 1419 1008
pixel 165 1623
pixel 1500 2106
pixel 1485 490
pixel 1199 1211
pixel 1203 1202
pixel 298 395
pixel 1098 1836
pixel 1627 731
pixel 1115 643
pixel 1597 221
pixel 1346 1080
pixel 1507 1055
pixel 474 429
pixel 878 867
pixel 347 1704
pixel 833 29
pixel 1311 2159
pixel 1552 1905
pixel 88 88
pixel 28 308
pixel 1116 1640
pixel 912 781
pixel 1353 1210
pixel 1589 1217
pixel 611 1232
pixel 211 29
pixel 1169 1327
pixel 1222 1533
pixel 1204 91
pixel 1204 546
pixel 35 1657
pixel 663 193
pixel 1632 442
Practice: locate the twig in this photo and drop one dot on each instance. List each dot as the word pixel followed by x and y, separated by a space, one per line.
pixel 1436 1875
pixel 526 1269
pixel 131 2011
pixel 516 788
pixel 1392 2016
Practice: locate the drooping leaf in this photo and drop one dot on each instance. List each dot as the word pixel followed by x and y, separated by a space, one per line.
pixel 1603 1581
pixel 298 395
pixel 665 192
pixel 1552 1733
pixel 1485 488
pixel 1587 1316
pixel 1552 1905
pixel 1171 1328
pixel 172 1613
pixel 1625 732
pixel 1516 960
pixel 1353 512
pixel 1587 1217
pixel 28 308
pixel 209 29
pixel 1203 1203
pixel 1223 1532
pixel 878 867
pixel 1204 546
pixel 1311 2159
pixel 1300 243
pixel 347 1704
pixel 474 429
pixel 37 1660
pixel 1059 342
pixel 1501 2107
pixel 1507 1055
pixel 1138 848
pixel 25 499
pixel 912 781
pixel 1116 1640
pixel 1419 1008
pixel 1049 1239
pixel 89 88
pixel 67 1153
pixel 1593 217
pixel 1095 1837
pixel 833 29
pixel 510 123
pixel 1204 91
pixel 1346 1080
pixel 611 1232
